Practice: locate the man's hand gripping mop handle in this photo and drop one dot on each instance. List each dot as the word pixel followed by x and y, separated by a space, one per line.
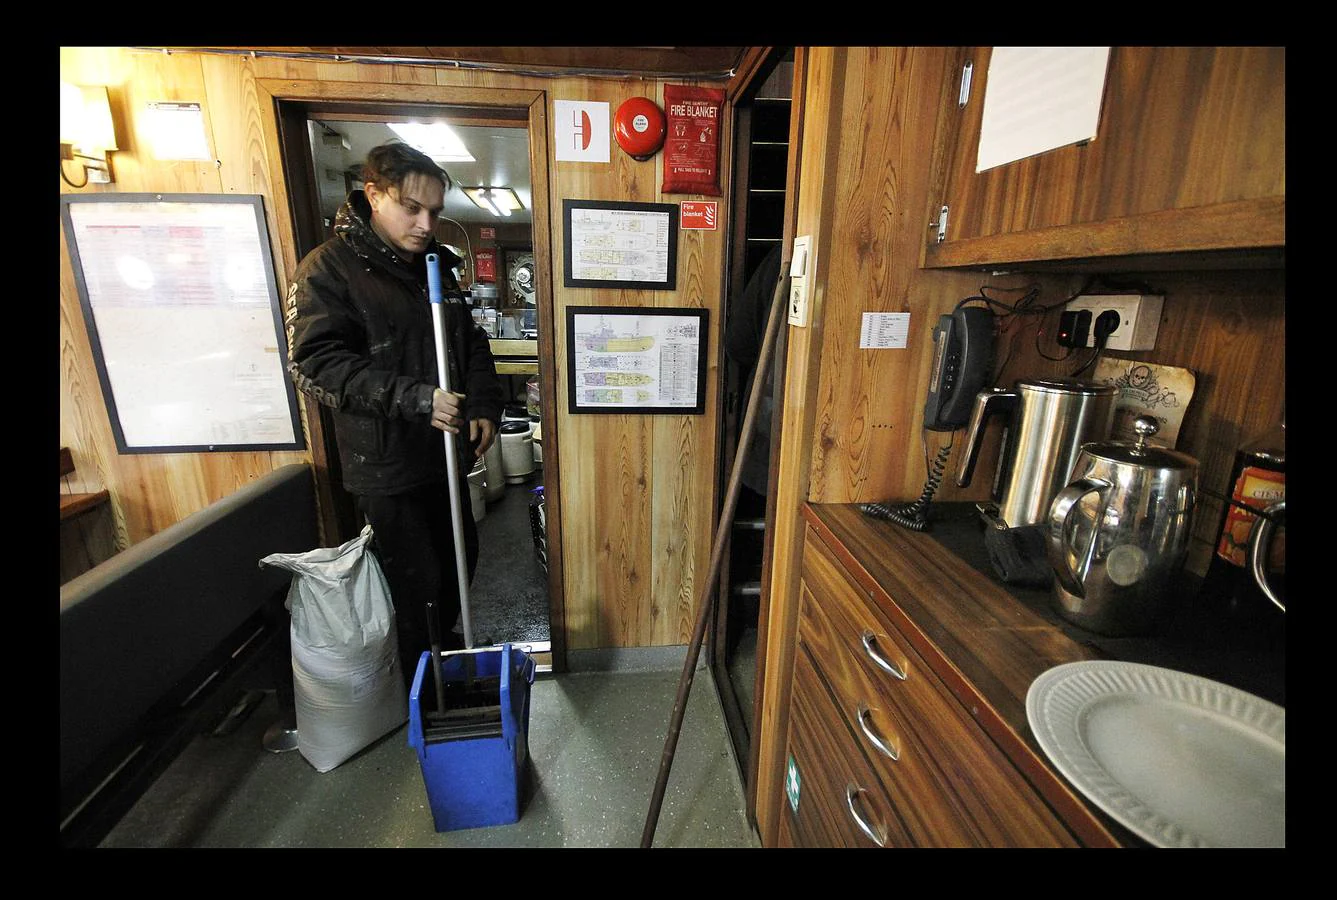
pixel 452 461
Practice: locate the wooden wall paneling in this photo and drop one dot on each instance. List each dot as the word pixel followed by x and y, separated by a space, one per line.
pixel 646 480
pixel 606 456
pixel 865 404
pixel 238 136
pixel 153 77
pixel 411 74
pixel 84 425
pixel 685 468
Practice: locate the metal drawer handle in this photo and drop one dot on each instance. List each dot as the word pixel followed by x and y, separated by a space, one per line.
pixel 869 639
pixel 877 741
pixel 877 836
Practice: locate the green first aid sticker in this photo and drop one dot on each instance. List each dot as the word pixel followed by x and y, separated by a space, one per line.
pixel 793 782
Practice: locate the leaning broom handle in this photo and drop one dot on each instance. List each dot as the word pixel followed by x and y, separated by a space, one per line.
pixel 707 591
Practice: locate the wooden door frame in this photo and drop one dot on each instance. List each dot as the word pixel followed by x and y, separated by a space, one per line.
pixel 532 106
pixel 793 172
pixel 757 65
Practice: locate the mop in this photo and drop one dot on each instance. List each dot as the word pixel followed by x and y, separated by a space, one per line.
pixel 472 713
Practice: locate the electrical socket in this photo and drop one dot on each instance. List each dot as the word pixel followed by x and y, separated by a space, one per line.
pixel 1139 318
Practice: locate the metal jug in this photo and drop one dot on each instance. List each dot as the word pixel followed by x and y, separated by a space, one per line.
pixel 1050 420
pixel 1119 532
pixel 1260 543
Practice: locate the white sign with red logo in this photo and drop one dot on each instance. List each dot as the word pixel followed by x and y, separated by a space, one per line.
pixel 487 233
pixel 582 130
pixel 700 214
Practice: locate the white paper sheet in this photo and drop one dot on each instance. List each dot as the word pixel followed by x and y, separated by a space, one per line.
pixel 630 361
pixel 620 245
pixel 185 322
pixel 1038 99
pixel 884 330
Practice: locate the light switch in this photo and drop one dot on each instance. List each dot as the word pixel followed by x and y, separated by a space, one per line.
pixel 798 264
pixel 798 282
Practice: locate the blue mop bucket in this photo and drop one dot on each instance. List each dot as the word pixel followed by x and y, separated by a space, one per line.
pixel 474 758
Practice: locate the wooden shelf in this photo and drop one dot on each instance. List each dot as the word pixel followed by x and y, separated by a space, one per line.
pixel 72 505
pixel 511 347
pixel 1249 225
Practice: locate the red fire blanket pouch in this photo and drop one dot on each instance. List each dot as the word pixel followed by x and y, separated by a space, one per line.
pixel 692 148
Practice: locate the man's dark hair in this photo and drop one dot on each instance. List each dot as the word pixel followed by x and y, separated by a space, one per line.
pixel 389 164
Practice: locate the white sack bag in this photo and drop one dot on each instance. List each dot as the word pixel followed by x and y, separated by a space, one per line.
pixel 347 686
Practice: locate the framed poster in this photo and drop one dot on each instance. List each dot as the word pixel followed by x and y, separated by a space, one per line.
pixel 630 360
pixel 184 319
pixel 608 244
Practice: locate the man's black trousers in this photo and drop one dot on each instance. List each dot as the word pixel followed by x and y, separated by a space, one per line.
pixel 415 546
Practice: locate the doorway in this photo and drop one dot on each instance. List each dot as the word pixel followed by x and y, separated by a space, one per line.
pixel 762 117
pixel 516 593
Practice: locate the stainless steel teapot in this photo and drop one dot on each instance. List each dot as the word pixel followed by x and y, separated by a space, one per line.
pixel 1118 532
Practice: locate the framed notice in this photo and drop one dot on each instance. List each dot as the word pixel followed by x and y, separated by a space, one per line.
pixel 620 245
pixel 629 360
pixel 184 319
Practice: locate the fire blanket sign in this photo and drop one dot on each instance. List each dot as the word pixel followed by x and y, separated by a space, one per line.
pixel 692 149
pixel 487 265
pixel 699 214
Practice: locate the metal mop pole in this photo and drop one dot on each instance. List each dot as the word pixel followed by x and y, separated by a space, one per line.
pixel 452 476
pixel 716 555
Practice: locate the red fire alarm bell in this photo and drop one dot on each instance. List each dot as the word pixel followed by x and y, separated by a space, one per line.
pixel 639 127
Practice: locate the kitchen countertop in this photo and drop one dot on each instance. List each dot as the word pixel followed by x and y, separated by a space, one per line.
pixel 988 640
pixel 1192 636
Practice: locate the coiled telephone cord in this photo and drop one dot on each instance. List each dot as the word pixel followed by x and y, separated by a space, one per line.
pixel 911 515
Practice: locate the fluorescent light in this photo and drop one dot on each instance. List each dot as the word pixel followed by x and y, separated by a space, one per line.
pixel 437 139
pixel 500 201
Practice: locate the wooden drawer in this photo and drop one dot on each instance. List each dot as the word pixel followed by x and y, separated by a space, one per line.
pixel 836 783
pixel 950 784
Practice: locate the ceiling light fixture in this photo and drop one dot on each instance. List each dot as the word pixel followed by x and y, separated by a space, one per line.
pixel 500 201
pixel 437 139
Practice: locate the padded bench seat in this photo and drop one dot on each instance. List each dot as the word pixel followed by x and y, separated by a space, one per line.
pixel 152 639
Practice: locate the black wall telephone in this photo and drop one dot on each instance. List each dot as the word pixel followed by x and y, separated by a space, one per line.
pixel 962 365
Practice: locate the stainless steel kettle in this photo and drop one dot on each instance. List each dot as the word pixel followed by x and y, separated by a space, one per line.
pixel 1049 421
pixel 1118 533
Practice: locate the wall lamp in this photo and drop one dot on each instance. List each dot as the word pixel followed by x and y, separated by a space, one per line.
pixel 87 133
pixel 500 201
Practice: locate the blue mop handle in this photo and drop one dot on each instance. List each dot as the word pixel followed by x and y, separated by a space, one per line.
pixel 452 463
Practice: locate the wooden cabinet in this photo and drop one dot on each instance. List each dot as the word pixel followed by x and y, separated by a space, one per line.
pixel 884 754
pixel 1189 155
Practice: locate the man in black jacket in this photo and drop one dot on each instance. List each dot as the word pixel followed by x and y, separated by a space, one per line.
pixel 361 342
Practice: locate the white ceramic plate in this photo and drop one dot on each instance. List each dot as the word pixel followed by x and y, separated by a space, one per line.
pixel 1179 760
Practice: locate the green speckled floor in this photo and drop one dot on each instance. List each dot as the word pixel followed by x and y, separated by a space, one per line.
pixel 595 742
